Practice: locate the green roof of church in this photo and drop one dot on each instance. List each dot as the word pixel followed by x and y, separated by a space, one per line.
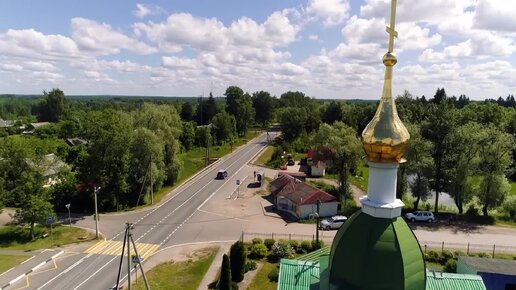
pixel 448 281
pixel 371 253
pixel 298 275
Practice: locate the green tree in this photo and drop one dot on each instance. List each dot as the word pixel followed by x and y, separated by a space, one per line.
pixel 225 274
pixel 237 258
pixel 223 127
pixel 187 137
pixel 509 206
pixel 187 111
pixel 52 108
pixel 441 121
pixel 109 134
pixel 332 112
pixel 419 163
pixel 240 105
pixel 263 105
pixel 146 162
pixel 462 161
pixel 203 136
pixel 495 158
pixel 292 121
pixel 339 144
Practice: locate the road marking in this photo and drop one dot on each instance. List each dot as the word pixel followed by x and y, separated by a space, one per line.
pixel 28 259
pixel 114 248
pixel 26 283
pixel 221 215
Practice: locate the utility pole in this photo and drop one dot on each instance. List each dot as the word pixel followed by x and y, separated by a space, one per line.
pixel 151 187
pixel 95 189
pixel 128 240
pixel 69 217
pixel 318 219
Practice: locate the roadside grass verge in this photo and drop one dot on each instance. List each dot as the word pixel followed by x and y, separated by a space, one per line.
pixel 185 275
pixel 261 280
pixel 9 261
pixel 18 238
pixel 265 157
pixel 361 178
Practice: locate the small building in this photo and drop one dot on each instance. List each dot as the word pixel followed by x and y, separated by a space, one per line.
pixel 49 166
pixel 497 274
pixel 300 199
pixel 6 123
pixel 31 128
pixel 75 141
pixel 318 169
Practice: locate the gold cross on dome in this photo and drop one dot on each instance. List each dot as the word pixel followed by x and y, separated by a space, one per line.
pixel 390 29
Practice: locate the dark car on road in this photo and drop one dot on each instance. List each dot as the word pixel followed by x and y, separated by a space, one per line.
pixel 222 174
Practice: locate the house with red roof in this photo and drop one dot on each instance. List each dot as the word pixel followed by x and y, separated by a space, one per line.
pixel 300 199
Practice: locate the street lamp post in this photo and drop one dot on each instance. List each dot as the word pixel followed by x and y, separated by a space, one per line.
pixel 69 217
pixel 95 189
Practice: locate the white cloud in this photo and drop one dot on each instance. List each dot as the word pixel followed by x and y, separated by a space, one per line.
pixel 10 67
pixel 496 15
pixel 313 37
pixel 38 66
pixel 143 10
pixel 125 66
pixel 101 38
pixel 33 44
pixel 333 12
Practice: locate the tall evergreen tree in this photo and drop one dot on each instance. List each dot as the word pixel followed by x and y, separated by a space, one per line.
pixel 237 259
pixel 225 274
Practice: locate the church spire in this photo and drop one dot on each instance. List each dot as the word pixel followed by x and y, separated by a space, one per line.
pixel 385 137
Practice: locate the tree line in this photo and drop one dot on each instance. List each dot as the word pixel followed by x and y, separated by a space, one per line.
pixel 458 146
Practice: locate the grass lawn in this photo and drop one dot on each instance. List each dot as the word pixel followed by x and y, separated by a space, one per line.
pixel 434 266
pixel 513 188
pixel 18 238
pixel 261 280
pixel 362 177
pixel 265 157
pixel 9 261
pixel 185 275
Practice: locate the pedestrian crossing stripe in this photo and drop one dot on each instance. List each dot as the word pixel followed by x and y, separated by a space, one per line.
pixel 114 248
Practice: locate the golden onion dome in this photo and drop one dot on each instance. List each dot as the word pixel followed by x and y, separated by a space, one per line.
pixel 385 138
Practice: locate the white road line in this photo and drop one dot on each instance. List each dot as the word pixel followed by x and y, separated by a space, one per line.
pixel 221 215
pixel 28 260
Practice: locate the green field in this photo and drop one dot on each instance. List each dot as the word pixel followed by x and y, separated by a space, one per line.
pixel 9 261
pixel 18 238
pixel 265 157
pixel 185 275
pixel 261 280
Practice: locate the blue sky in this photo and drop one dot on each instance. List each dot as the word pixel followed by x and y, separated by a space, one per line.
pixel 325 48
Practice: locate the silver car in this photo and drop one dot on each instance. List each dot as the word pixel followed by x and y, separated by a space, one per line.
pixel 334 222
pixel 421 216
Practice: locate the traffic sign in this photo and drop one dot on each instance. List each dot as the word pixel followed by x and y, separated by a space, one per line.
pixel 50 220
pixel 135 259
pixel 238 181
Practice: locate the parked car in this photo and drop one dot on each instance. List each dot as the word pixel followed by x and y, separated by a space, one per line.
pixel 222 174
pixel 334 222
pixel 420 216
pixel 291 162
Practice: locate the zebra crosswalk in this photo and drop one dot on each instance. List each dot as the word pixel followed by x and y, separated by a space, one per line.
pixel 114 248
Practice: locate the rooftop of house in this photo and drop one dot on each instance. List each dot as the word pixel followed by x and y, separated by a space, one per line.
pixel 75 141
pixel 299 192
pixel 48 165
pixel 487 265
pixel 6 123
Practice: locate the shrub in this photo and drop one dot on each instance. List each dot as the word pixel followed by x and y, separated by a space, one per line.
pixel 445 256
pixel 317 244
pixel 225 274
pixel 294 244
pixel 450 266
pixel 237 261
pixel 483 255
pixel 259 251
pixel 459 253
pixel 280 250
pixel 472 211
pixel 514 257
pixel 269 243
pixel 306 246
pixel 257 241
pixel 250 266
pixel 432 256
pixel 273 275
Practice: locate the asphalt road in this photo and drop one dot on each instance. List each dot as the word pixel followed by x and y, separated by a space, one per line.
pixel 176 221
